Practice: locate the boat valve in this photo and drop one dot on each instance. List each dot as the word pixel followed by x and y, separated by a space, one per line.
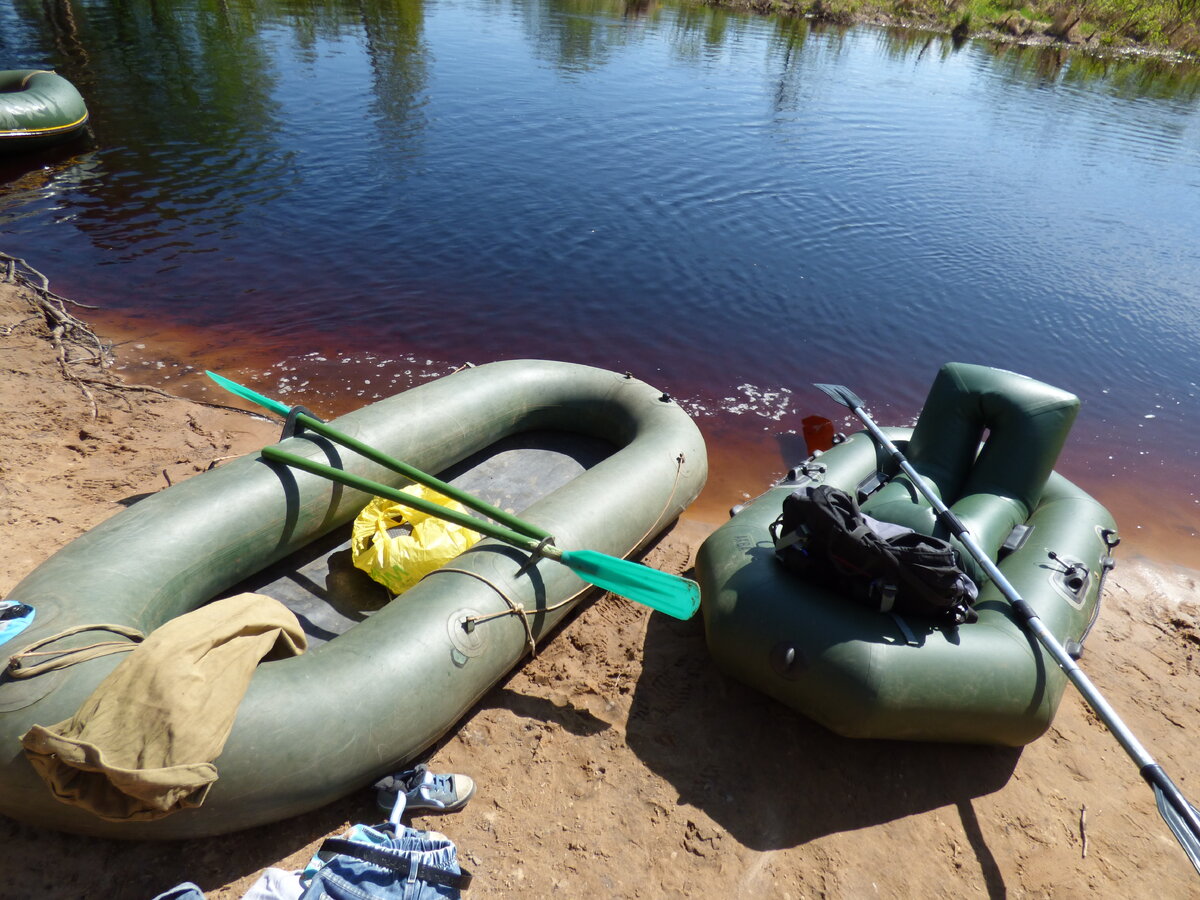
pixel 1074 574
pixel 806 469
pixel 787 660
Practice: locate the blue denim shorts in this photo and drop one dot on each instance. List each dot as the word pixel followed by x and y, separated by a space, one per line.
pixel 413 865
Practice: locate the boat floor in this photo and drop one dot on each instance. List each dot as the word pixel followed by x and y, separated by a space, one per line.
pixel 329 595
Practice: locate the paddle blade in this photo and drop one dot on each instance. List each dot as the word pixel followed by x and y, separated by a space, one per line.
pixel 662 591
pixel 1188 839
pixel 842 395
pixel 253 396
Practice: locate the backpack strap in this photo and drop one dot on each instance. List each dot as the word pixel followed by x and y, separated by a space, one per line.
pixel 909 637
pixel 885 593
pixel 783 541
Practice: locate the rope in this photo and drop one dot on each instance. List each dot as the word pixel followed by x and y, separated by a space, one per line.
pixel 71 655
pixel 653 529
pixel 517 609
pixel 514 608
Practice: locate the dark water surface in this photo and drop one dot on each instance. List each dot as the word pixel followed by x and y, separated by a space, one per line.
pixel 337 199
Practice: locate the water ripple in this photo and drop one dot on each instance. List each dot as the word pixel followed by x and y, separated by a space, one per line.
pixel 734 204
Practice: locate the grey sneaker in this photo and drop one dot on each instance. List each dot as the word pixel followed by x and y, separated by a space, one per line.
pixel 425 790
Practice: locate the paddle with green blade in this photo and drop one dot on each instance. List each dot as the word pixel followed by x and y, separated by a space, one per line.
pixel 1180 815
pixel 670 594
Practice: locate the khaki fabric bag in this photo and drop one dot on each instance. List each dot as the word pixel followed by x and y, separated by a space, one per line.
pixel 142 745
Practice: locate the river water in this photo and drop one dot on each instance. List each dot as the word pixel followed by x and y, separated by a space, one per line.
pixel 333 200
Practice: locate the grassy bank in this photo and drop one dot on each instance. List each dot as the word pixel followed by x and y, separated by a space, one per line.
pixel 1162 26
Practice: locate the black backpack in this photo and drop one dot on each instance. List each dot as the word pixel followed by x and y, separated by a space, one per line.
pixel 824 536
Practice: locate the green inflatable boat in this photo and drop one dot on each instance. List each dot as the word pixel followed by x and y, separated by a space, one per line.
pixel 987 441
pixel 38 108
pixel 601 460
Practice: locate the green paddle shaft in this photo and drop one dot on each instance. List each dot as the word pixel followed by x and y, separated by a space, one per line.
pixel 491 529
pixel 662 591
pixel 317 426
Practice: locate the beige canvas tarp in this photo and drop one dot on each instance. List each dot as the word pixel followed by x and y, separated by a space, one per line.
pixel 142 745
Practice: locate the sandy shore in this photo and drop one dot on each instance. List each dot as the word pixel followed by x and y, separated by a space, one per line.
pixel 619 762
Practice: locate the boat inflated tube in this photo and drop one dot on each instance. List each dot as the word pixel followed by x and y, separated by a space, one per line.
pixel 38 108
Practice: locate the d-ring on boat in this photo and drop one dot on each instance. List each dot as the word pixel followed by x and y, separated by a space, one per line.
pixel 601 460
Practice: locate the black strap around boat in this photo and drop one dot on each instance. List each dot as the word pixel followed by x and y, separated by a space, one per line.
pixel 401 865
pixel 291 425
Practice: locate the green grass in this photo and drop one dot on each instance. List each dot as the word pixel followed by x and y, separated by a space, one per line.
pixel 1169 25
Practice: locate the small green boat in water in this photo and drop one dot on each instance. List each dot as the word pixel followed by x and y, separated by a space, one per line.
pixel 601 460
pixel 987 441
pixel 38 108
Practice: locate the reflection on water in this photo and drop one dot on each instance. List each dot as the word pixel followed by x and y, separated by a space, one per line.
pixel 1130 78
pixel 358 195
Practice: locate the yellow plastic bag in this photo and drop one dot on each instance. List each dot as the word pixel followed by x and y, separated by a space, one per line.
pixel 400 560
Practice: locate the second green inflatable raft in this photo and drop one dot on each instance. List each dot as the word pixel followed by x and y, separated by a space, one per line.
pixel 863 673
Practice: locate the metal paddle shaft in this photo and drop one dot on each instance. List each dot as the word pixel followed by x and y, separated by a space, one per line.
pixel 1179 814
pixel 408 471
pixel 662 591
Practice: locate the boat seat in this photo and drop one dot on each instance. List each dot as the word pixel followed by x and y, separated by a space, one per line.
pixel 1021 424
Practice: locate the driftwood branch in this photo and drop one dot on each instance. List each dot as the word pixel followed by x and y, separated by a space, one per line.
pixel 1083 829
pixel 74 341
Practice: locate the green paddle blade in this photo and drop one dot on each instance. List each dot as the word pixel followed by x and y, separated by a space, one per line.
pixel 662 591
pixel 253 396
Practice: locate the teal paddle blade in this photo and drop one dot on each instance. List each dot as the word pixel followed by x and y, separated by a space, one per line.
pixel 253 396
pixel 662 591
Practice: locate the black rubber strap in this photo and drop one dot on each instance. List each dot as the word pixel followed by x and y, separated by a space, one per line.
pixel 1156 777
pixel 401 865
pixel 1024 609
pixel 291 426
pixel 954 523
